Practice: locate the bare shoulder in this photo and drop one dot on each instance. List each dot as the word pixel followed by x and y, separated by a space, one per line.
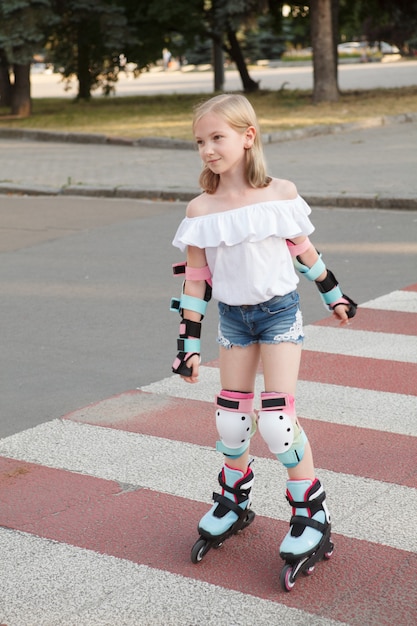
pixel 283 189
pixel 198 206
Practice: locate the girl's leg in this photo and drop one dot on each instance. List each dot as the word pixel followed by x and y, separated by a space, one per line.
pixel 281 364
pixel 237 372
pixel 310 524
pixel 238 368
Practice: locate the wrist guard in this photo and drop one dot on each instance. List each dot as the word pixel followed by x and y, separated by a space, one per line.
pixel 188 342
pixel 332 295
pixel 330 291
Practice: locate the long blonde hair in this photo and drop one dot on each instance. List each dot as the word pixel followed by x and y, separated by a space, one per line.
pixel 238 112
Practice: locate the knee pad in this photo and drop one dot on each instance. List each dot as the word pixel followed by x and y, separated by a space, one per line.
pixel 235 422
pixel 278 425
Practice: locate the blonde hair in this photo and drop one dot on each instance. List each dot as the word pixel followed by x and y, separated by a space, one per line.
pixel 238 112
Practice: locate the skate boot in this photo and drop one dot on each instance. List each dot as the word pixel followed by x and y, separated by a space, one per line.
pixel 230 513
pixel 308 540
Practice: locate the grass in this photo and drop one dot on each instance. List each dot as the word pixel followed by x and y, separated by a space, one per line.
pixel 170 115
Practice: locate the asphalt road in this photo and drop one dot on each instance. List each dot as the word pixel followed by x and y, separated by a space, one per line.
pixel 351 76
pixel 86 284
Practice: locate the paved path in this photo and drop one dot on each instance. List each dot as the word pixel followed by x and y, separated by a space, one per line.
pixel 99 508
pixel 370 164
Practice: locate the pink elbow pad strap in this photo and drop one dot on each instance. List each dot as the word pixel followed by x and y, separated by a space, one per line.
pixel 192 273
pixel 298 248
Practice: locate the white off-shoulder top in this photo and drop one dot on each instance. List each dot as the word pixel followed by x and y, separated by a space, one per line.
pixel 246 249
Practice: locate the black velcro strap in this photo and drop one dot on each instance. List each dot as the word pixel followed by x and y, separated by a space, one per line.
pixel 192 329
pixel 228 404
pixel 235 491
pixel 273 403
pixel 308 521
pixel 307 504
pixel 229 504
pixel 179 268
pixel 207 294
pixel 328 283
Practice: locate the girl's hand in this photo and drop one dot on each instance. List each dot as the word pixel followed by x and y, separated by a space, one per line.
pixel 194 363
pixel 340 312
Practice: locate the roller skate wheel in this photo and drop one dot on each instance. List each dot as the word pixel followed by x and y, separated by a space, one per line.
pixel 286 579
pixel 309 570
pixel 328 554
pixel 199 549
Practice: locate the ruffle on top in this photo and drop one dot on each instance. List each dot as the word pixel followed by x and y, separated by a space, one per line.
pixel 251 223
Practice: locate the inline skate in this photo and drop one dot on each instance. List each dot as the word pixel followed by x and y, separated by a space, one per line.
pixel 308 540
pixel 229 515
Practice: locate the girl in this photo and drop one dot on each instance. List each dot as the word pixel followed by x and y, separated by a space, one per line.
pixel 243 236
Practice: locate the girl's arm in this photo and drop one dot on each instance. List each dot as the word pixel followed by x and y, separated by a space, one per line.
pixel 308 261
pixel 200 289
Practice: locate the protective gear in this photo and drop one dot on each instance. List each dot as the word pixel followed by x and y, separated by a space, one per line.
pixel 235 422
pixel 310 519
pixel 192 273
pixel 298 248
pixel 330 291
pixel 230 507
pixel 332 295
pixel 279 427
pixel 188 342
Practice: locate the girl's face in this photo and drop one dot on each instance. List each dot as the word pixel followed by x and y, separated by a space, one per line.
pixel 221 147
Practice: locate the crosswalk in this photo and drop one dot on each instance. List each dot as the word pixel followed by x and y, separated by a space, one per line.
pixel 98 509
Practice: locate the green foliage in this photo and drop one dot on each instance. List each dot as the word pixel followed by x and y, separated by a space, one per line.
pixel 394 21
pixel 24 26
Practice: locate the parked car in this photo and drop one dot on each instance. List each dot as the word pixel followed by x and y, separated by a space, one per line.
pixel 350 47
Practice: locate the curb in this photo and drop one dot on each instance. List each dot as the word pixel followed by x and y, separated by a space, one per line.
pixel 345 201
pixel 178 144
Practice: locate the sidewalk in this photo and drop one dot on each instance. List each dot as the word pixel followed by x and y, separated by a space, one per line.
pixel 372 164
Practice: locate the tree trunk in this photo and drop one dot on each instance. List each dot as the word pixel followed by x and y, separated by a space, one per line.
pixel 83 68
pixel 335 29
pixel 5 83
pixel 21 104
pixel 218 65
pixel 324 58
pixel 235 52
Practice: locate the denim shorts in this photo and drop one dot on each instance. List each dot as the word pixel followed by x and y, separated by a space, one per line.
pixel 275 321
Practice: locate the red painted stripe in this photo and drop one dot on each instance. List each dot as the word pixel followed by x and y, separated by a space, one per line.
pixel 336 447
pixel 410 288
pixel 361 372
pixel 378 321
pixel 355 371
pixel 363 583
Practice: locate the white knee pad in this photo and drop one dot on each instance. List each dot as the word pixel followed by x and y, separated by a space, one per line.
pixel 235 422
pixel 278 425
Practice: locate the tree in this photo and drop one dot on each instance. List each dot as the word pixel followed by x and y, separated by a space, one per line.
pixel 23 24
pixel 324 51
pixel 394 21
pixel 88 41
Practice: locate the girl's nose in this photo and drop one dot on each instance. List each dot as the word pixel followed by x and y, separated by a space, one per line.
pixel 208 149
